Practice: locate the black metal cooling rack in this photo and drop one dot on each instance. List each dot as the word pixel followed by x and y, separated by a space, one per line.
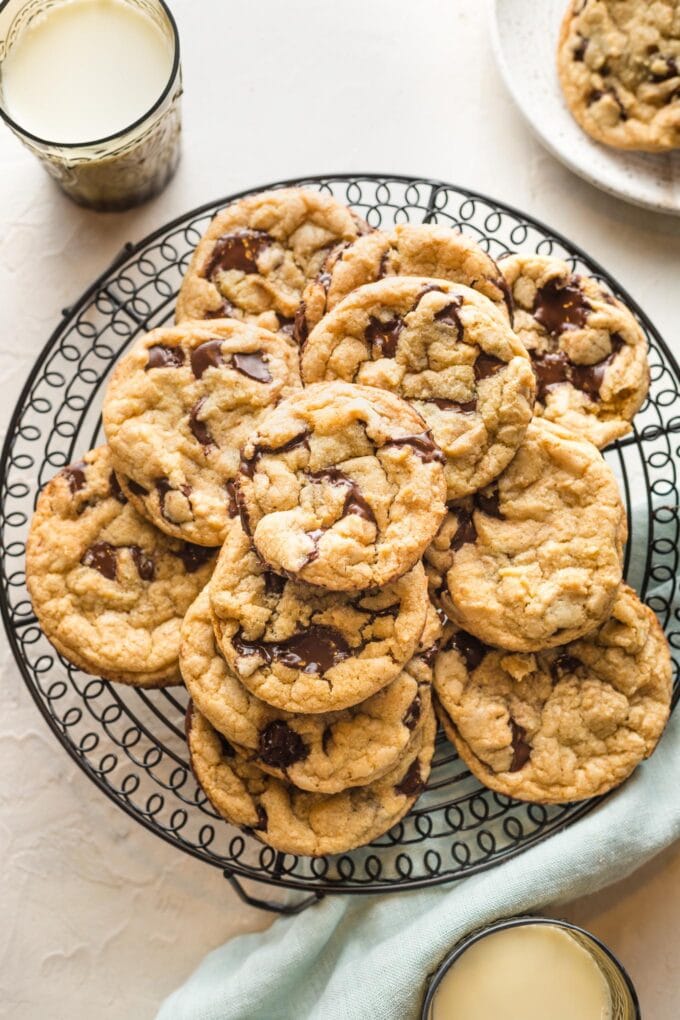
pixel 131 742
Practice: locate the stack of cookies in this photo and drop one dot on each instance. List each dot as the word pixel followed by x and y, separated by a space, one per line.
pixel 359 482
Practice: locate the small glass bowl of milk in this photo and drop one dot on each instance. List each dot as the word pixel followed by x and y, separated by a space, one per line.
pixel 93 88
pixel 530 968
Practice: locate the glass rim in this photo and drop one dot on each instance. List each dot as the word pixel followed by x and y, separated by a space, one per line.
pixel 457 951
pixel 123 131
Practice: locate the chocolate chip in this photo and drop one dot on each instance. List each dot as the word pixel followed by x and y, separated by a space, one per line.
pixel 466 530
pixel 382 265
pixel 563 665
pixel 326 738
pixel 102 557
pixel 422 444
pixel 315 535
pixel 144 563
pixel 560 305
pixel 470 648
pixel 225 747
pixel 286 324
pixel 314 650
pixel 448 315
pixel 262 819
pixel 452 405
pixel 238 250
pixel 412 714
pixel 75 475
pixel 384 336
pixel 428 289
pixel 161 356
pixel 135 487
pixel 429 654
pixel 502 285
pixel 248 464
pixel 206 355
pixel 300 327
pixel 194 556
pixel 225 311
pixel 273 583
pixel 554 367
pixel 521 751
pixel 579 51
pixel 116 491
pixel 670 70
pixel 487 365
pixel 199 429
pixel 355 503
pixel 253 365
pixel 281 746
pixel 163 487
pixel 488 503
pixel 232 505
pixel 412 784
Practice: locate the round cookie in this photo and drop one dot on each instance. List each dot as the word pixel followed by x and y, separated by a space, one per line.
pixel 109 590
pixel 410 249
pixel 304 649
pixel 322 753
pixel 619 67
pixel 442 347
pixel 588 350
pixel 535 559
pixel 257 255
pixel 564 724
pixel 296 821
pixel 179 406
pixel 342 486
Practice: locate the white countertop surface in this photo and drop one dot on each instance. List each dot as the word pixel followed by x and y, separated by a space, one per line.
pixel 100 918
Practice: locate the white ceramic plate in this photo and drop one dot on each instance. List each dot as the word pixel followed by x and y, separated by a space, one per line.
pixel 525 41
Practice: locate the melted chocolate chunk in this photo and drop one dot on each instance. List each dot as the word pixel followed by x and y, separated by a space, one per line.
pixel 450 317
pixel 470 648
pixel 163 487
pixel 487 365
pixel 452 405
pixel 412 784
pixel 427 290
pixel 429 655
pixel 488 503
pixel 225 747
pixel 160 356
pixel 384 336
pixel 194 556
pixel 561 305
pixel 466 530
pixel 146 567
pixel 116 491
pixel 75 475
pixel 502 285
pixel 273 583
pixel 315 535
pixel 206 355
pixel 412 714
pixel 237 251
pixel 550 369
pixel 354 500
pixel 135 487
pixel 422 444
pixel 248 465
pixel 225 311
pixel 300 327
pixel 199 429
pixel 286 324
pixel 262 819
pixel 670 71
pixel 521 751
pixel 589 378
pixel 553 368
pixel 314 650
pixel 563 665
pixel 253 365
pixel 382 266
pixel 102 557
pixel 281 746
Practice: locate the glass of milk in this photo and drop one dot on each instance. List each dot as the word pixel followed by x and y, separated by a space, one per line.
pixel 93 88
pixel 530 968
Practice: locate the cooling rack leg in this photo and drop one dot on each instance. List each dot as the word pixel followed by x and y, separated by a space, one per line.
pixel 288 909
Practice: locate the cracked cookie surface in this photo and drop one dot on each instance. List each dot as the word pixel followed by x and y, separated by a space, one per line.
pixel 619 67
pixel 342 486
pixel 442 347
pixel 178 408
pixel 587 349
pixel 304 649
pixel 535 559
pixel 257 255
pixel 325 752
pixel 563 724
pixel 108 588
pixel 296 821
pixel 410 249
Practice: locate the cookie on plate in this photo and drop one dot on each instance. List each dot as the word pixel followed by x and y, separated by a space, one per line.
pixel 410 249
pixel 588 350
pixel 179 406
pixel 322 753
pixel 296 821
pixel 444 348
pixel 305 649
pixel 257 255
pixel 619 67
pixel 563 724
pixel 109 590
pixel 535 559
pixel 342 486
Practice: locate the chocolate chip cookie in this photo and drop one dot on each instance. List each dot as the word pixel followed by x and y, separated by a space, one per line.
pixel 342 486
pixel 323 753
pixel 179 406
pixel 109 590
pixel 444 348
pixel 535 559
pixel 563 724
pixel 619 66
pixel 296 821
pixel 410 249
pixel 304 649
pixel 257 255
pixel 588 351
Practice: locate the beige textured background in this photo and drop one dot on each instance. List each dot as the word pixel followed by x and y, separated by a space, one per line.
pixel 100 919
